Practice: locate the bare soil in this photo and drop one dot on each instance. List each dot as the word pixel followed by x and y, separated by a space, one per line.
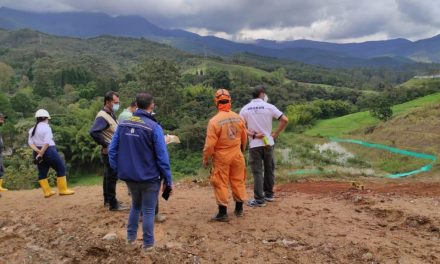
pixel 310 222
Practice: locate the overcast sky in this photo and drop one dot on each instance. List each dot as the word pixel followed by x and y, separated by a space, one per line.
pixel 246 20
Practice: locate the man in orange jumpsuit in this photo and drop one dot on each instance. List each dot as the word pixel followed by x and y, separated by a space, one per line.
pixel 225 143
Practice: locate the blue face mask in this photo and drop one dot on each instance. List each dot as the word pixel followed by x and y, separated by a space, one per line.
pixel 115 107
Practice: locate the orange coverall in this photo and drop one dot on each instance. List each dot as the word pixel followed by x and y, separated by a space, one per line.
pixel 225 140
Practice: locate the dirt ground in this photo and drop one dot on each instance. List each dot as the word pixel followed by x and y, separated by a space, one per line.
pixel 310 222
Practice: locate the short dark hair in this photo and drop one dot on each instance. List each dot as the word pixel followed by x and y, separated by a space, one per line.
pixel 144 100
pixel 258 90
pixel 109 96
pixel 133 104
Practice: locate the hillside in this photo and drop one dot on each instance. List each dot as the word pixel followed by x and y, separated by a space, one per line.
pixel 117 53
pixel 113 56
pixel 414 130
pixel 347 124
pixel 389 53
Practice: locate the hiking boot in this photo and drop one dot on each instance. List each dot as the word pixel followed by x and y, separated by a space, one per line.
pixel 238 209
pixel 222 215
pixel 254 203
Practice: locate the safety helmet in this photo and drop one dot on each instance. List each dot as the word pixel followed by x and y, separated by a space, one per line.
pixel 42 113
pixel 220 95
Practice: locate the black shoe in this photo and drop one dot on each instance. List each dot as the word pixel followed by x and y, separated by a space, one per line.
pixel 107 203
pixel 238 209
pixel 222 215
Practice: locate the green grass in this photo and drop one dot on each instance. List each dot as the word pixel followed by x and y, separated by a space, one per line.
pixel 345 124
pixel 85 179
pixel 227 67
pixel 420 82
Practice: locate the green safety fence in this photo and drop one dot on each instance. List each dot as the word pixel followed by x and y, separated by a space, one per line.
pixel 419 155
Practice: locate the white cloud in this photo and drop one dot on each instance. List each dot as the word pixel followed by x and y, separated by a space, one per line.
pixel 246 20
pixel 207 32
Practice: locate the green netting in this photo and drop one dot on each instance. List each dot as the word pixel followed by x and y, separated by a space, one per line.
pixel 419 155
pixel 397 151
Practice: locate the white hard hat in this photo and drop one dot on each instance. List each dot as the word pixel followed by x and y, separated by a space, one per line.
pixel 42 113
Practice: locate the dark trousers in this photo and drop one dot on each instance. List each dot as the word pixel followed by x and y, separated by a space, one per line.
pixel 109 183
pixel 263 166
pixel 144 199
pixel 51 159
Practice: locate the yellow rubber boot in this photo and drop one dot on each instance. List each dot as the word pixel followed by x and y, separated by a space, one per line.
pixel 46 188
pixel 1 186
pixel 62 186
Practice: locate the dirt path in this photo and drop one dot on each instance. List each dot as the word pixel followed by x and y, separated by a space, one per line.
pixel 320 222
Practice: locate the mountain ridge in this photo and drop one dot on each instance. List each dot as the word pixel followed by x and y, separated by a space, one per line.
pixel 388 53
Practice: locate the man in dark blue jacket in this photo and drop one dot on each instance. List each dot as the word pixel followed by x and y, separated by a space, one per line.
pixel 139 155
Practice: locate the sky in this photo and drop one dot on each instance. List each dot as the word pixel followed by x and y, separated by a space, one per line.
pixel 339 21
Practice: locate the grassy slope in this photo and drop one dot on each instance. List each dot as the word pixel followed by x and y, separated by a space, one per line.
pixel 345 124
pixel 252 70
pixel 224 66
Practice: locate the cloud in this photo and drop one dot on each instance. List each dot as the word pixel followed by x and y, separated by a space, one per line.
pixel 246 20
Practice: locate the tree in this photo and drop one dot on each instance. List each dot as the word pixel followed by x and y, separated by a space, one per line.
pixel 381 108
pixel 22 103
pixel 44 78
pixel 6 75
pixel 162 79
pixel 217 78
pixel 87 91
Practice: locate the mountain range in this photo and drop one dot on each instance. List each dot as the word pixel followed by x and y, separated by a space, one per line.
pixel 388 53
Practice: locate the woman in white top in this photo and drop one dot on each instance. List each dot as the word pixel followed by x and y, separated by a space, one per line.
pixel 46 155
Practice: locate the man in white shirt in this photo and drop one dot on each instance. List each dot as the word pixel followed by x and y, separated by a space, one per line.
pixel 258 115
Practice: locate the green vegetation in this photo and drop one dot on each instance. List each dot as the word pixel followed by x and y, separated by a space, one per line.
pixel 69 76
pixel 231 68
pixel 385 161
pixel 349 123
pixel 306 113
pixel 85 179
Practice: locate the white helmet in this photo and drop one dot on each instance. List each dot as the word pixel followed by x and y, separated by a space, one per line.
pixel 42 113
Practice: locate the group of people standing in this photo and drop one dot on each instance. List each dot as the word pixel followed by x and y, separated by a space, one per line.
pixel 133 149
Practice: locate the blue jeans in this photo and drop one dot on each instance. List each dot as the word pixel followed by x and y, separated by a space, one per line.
pixel 51 158
pixel 144 197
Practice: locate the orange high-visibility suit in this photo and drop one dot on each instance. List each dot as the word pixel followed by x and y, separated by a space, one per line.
pixel 225 140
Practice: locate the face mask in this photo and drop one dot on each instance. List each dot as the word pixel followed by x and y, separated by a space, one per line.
pixel 154 110
pixel 115 107
pixel 225 107
pixel 265 98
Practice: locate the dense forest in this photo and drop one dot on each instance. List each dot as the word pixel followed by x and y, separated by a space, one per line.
pixel 69 76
